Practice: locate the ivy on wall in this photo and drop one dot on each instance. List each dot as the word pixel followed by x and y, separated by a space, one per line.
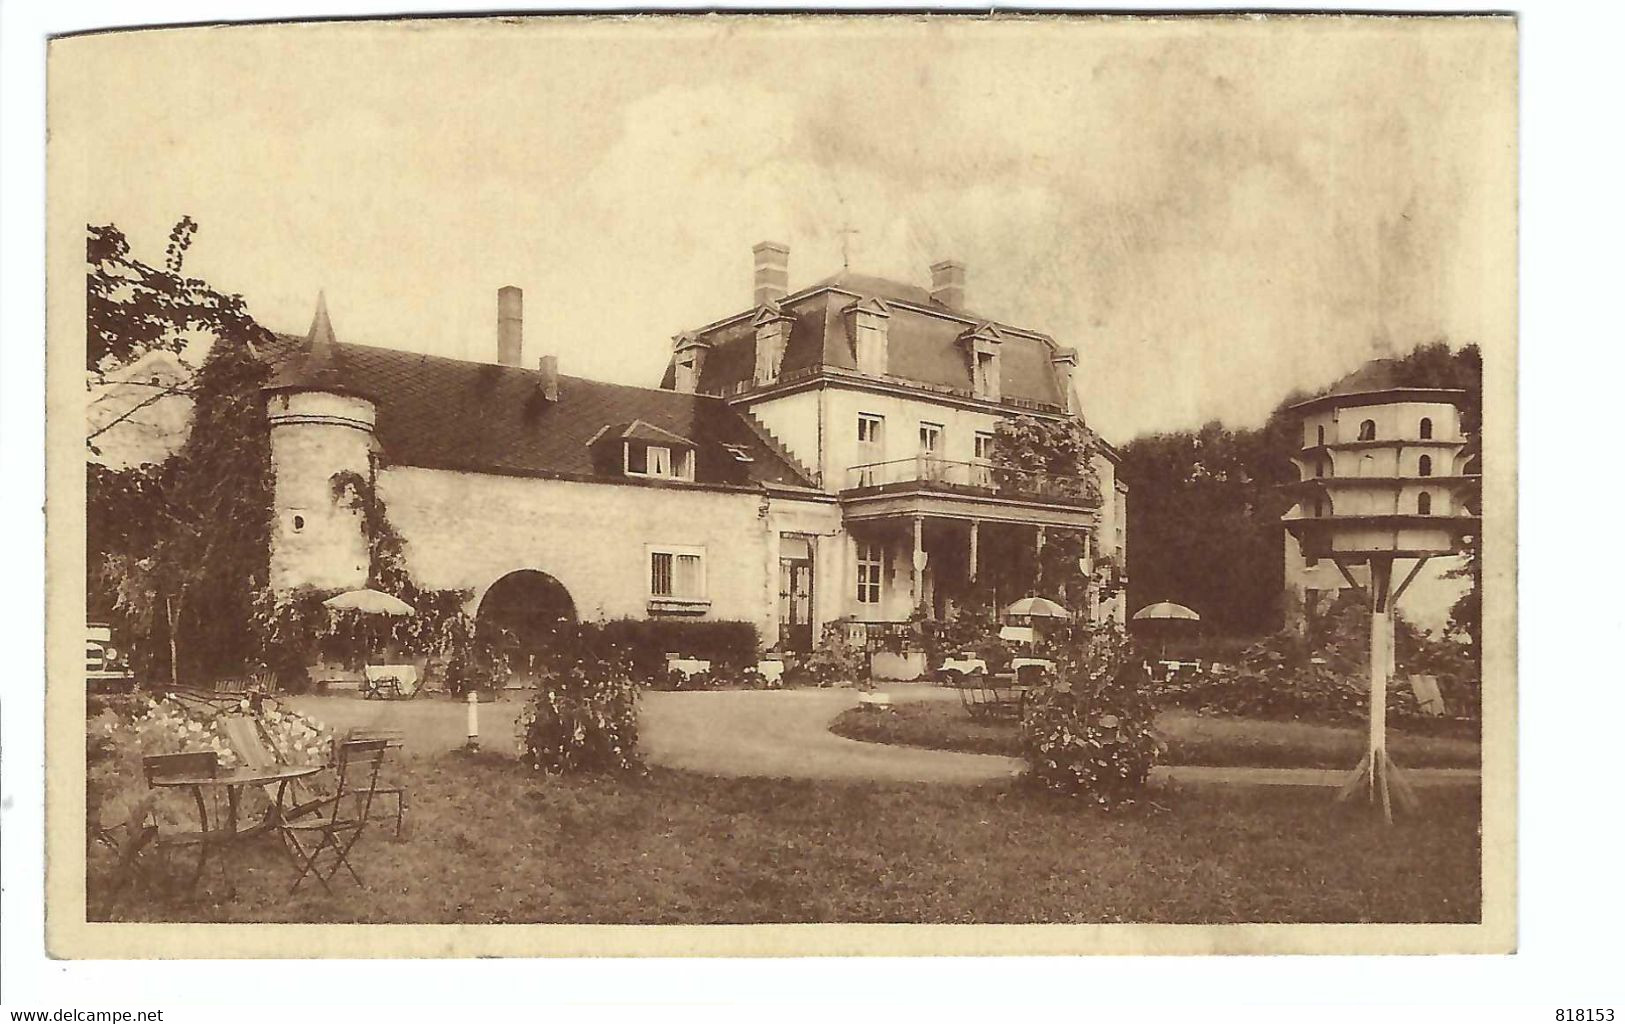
pixel 296 629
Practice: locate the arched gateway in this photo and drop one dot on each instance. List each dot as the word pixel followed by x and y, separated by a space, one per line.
pixel 522 612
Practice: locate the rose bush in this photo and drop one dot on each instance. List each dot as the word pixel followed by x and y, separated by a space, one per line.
pixel 1088 733
pixel 584 718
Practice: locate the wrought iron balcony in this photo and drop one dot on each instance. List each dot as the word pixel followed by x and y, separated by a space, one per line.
pixel 980 479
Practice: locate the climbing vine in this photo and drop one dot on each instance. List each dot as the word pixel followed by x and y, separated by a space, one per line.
pixel 178 553
pixel 295 629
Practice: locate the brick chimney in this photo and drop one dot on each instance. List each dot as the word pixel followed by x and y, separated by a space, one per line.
pixel 948 284
pixel 510 326
pixel 771 282
pixel 549 367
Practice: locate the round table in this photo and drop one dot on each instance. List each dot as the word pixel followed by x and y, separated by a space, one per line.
pixel 233 782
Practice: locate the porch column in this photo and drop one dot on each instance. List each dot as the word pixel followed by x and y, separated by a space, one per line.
pixel 919 562
pixel 974 524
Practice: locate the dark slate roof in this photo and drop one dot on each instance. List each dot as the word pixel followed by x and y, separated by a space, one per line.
pixel 1375 382
pixel 315 366
pixel 453 414
pixel 922 346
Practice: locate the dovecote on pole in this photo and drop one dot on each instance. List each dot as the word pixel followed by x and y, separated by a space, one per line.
pixel 1384 482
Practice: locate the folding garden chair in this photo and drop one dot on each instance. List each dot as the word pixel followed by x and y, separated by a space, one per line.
pixel 393 740
pixel 334 829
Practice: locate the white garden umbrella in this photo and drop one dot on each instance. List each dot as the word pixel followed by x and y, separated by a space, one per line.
pixel 1038 608
pixel 1166 611
pixel 1165 614
pixel 369 601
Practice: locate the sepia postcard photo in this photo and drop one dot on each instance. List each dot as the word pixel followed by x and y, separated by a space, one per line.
pixel 782 485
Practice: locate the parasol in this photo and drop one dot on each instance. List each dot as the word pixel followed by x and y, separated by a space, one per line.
pixel 1165 614
pixel 1166 611
pixel 372 602
pixel 1038 608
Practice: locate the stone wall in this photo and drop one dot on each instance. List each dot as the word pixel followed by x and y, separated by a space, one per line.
pixel 467 530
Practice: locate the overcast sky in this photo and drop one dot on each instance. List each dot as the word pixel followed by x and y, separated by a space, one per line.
pixel 1213 213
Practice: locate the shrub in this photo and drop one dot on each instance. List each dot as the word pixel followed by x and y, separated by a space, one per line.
pixel 584 718
pixel 477 665
pixel 835 660
pixel 969 632
pixel 1324 675
pixel 646 642
pixel 1089 734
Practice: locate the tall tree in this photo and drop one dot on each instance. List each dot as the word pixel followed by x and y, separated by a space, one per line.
pixel 178 550
pixel 1205 506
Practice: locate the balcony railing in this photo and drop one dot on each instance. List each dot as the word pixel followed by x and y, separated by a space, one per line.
pixel 979 478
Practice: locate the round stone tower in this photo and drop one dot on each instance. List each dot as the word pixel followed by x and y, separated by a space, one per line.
pixel 321 427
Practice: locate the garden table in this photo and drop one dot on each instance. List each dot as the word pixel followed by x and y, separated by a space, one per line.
pixel 965 666
pixel 388 681
pixel 233 782
pixel 689 666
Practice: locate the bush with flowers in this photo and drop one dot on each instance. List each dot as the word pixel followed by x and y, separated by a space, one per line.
pixel 584 718
pixel 1088 732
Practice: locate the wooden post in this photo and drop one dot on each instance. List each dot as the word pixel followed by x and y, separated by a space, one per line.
pixel 1377 773
pixel 973 531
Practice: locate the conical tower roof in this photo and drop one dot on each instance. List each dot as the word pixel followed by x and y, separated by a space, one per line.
pixel 318 364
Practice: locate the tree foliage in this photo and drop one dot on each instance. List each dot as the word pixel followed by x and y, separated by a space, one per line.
pixel 1205 506
pixel 132 307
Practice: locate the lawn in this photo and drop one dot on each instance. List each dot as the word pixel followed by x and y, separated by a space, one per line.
pixel 1192 739
pixel 492 843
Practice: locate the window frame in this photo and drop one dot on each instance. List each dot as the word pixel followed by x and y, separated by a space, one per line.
pixel 878 424
pixel 675 552
pixel 938 432
pixel 680 461
pixel 871 573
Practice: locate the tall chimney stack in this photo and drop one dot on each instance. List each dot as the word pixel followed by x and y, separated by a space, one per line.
pixel 948 284
pixel 771 281
pixel 510 326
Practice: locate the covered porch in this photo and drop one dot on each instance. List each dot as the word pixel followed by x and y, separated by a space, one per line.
pixel 930 555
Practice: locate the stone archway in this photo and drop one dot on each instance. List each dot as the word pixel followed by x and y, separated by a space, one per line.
pixel 521 614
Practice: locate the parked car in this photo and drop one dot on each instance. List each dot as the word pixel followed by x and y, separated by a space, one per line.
pixel 107 666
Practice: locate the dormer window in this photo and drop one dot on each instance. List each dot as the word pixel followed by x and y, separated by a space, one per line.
pixel 986 383
pixel 772 337
pixel 659 460
pixel 982 346
pixel 869 335
pixel 640 448
pixel 688 362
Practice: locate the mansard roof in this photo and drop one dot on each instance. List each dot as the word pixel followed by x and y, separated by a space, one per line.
pixel 922 341
pixel 453 414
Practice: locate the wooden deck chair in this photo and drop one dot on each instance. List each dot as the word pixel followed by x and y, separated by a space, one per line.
pixel 335 829
pixel 395 787
pixel 243 733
